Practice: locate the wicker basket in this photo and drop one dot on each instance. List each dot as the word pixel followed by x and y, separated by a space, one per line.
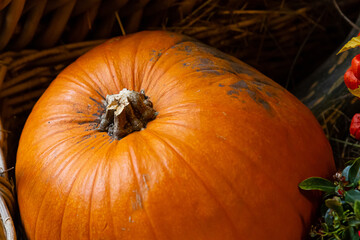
pixel 39 38
pixel 42 23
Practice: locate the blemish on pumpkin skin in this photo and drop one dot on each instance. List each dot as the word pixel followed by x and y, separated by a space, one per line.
pixel 259 100
pixel 221 85
pixel 155 55
pixel 206 62
pixel 182 47
pixel 240 85
pixel 231 92
pixel 104 227
pixel 82 123
pixel 188 49
pixel 269 94
pixel 222 137
pixel 101 94
pixel 137 204
pixel 207 72
pixel 233 65
pixel 86 137
pixel 261 83
pixel 96 101
pixel 145 179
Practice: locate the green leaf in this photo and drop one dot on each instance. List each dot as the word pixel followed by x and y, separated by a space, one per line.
pixel 354 171
pixel 324 226
pixel 335 205
pixel 345 172
pixel 354 223
pixel 317 183
pixel 357 209
pixel 352 195
pixel 353 43
pixel 329 220
pixel 351 234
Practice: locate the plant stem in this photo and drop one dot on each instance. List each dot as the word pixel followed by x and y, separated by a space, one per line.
pixel 126 112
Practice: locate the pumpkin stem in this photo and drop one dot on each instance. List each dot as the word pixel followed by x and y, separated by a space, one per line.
pixel 126 112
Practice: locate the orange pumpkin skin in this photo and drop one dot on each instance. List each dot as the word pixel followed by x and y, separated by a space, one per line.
pixel 222 160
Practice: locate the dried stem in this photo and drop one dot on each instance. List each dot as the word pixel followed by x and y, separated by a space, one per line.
pixel 345 17
pixel 125 113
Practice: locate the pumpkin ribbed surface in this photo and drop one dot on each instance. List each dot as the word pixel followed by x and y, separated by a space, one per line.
pixel 222 159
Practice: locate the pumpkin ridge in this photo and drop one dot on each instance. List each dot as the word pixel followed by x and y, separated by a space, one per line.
pixel 53 147
pixel 38 215
pixel 134 169
pixel 49 150
pixel 47 192
pixel 66 77
pixel 109 55
pixel 182 40
pixel 97 86
pixel 174 109
pixel 280 189
pixel 72 124
pixel 190 146
pixel 80 169
pixel 168 122
pixel 108 195
pixel 251 165
pixel 134 68
pixel 154 62
pixel 194 173
pixel 91 198
pixel 184 143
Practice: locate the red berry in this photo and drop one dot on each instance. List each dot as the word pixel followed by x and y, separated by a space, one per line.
pixel 340 192
pixel 355 126
pixel 355 66
pixel 350 80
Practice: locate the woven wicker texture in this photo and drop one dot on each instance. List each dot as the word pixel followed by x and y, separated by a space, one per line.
pixel 42 23
pixel 7 201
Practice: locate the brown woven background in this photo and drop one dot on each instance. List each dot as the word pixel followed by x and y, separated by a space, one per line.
pixel 276 36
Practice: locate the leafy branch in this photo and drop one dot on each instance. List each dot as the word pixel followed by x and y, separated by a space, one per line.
pixel 340 211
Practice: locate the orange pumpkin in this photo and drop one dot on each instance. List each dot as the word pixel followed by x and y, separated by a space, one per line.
pixel 221 160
